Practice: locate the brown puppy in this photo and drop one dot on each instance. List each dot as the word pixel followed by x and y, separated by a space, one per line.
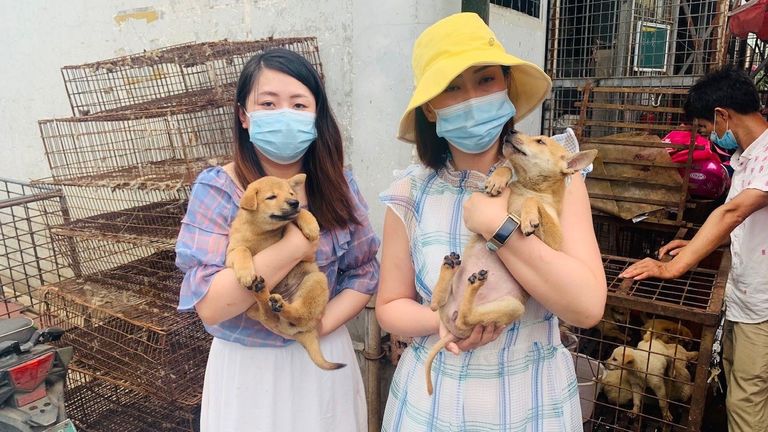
pixel 542 166
pixel 670 332
pixel 613 316
pixel 294 306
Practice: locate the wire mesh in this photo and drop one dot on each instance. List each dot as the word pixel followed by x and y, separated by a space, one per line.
pixel 638 43
pixel 162 144
pixel 613 364
pixel 144 217
pixel 124 320
pixel 99 404
pixel 28 259
pixel 124 81
pixel 682 315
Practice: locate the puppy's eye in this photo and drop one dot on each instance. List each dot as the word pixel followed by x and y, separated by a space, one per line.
pixel 540 141
pixel 271 197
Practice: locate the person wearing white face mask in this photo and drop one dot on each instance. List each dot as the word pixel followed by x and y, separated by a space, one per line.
pixel 725 106
pixel 468 94
pixel 256 380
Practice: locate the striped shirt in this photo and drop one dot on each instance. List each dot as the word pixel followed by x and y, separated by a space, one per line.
pixel 522 381
pixel 347 256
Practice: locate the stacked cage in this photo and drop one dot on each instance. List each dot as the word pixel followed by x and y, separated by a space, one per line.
pixel 144 126
pixel 646 365
pixel 28 259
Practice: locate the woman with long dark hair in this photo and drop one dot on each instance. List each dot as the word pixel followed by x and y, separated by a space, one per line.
pixel 256 380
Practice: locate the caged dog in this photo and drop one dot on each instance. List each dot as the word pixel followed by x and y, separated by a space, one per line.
pixel 653 364
pixel 294 306
pixel 541 166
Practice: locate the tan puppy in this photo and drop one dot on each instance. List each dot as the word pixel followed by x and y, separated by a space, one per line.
pixel 616 386
pixel 667 331
pixel 541 165
pixel 294 306
pixel 678 383
pixel 644 369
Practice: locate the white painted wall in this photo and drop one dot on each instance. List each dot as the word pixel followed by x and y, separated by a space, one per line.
pixel 365 47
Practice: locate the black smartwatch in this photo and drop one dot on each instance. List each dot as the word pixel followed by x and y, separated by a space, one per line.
pixel 505 230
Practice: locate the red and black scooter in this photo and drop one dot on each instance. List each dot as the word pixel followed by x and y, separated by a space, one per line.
pixel 32 376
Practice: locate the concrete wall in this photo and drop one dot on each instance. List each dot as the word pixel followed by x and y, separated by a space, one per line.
pixel 365 46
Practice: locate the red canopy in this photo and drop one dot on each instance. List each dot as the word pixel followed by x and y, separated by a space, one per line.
pixel 750 17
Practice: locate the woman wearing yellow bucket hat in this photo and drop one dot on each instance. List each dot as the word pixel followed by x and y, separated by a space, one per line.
pixel 468 92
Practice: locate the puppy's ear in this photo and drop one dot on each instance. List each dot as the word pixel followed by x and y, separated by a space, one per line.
pixel 297 180
pixel 248 201
pixel 579 161
pixel 629 356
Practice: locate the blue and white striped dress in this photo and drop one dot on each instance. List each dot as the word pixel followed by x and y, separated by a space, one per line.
pixel 523 381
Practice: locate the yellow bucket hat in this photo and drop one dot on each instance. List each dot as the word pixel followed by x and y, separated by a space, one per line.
pixel 455 43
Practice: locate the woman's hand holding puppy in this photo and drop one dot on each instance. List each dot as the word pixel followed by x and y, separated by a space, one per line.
pixel 484 214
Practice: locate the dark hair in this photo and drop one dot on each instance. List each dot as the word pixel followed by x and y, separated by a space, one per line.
pixel 432 149
pixel 328 193
pixel 727 87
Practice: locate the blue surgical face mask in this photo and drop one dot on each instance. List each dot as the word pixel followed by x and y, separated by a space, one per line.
pixel 474 125
pixel 282 135
pixel 727 141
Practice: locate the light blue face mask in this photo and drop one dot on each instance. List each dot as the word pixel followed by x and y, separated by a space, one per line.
pixel 282 135
pixel 727 141
pixel 474 125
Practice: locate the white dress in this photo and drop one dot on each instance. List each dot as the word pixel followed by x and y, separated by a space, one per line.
pixel 249 386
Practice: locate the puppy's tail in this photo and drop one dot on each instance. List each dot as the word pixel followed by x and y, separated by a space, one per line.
pixel 310 341
pixel 431 357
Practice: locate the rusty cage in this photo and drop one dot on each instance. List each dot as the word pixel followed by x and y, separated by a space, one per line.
pixel 654 344
pixel 145 126
pixel 125 81
pixel 28 259
pixel 100 402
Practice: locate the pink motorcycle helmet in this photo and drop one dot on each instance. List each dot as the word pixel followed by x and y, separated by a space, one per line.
pixel 708 178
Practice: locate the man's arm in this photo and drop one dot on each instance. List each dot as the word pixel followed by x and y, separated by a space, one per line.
pixel 712 234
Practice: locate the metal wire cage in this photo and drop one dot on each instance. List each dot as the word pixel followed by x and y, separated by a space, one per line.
pixel 97 403
pixel 638 43
pixel 677 319
pixel 161 144
pixel 28 259
pixel 144 217
pixel 124 81
pixel 124 320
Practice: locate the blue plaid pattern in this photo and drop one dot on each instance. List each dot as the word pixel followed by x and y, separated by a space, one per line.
pixel 347 256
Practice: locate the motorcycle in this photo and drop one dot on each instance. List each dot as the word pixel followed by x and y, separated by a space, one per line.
pixel 32 376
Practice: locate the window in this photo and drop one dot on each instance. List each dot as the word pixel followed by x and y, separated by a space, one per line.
pixel 528 7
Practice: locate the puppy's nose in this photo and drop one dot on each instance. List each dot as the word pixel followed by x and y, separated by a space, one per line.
pixel 293 203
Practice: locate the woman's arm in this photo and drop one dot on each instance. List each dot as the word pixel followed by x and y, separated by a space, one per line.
pixel 226 298
pixel 570 283
pixel 342 308
pixel 397 310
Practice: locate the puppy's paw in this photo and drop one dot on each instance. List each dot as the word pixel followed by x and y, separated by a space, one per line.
pixel 308 225
pixel 452 260
pixel 276 303
pixel 494 185
pixel 667 416
pixel 246 277
pixel 257 285
pixel 482 275
pixel 529 225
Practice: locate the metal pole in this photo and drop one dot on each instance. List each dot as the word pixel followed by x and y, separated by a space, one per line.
pixel 480 7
